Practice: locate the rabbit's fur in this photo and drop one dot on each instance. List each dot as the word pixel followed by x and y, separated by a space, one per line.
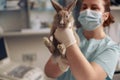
pixel 62 19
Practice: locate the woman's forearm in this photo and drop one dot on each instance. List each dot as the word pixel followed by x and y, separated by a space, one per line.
pixel 80 67
pixel 52 70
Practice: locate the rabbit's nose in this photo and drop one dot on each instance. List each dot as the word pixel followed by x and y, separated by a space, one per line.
pixel 61 22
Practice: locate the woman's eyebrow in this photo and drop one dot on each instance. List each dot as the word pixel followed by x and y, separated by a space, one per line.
pixel 84 4
pixel 95 5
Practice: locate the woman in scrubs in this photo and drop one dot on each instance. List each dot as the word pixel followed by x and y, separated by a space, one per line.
pixel 96 56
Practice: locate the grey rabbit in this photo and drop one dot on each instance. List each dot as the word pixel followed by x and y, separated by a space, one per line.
pixel 62 19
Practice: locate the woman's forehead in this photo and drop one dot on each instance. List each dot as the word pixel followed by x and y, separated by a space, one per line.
pixel 93 2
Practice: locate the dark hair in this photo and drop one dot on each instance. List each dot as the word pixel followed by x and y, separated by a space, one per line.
pixel 110 19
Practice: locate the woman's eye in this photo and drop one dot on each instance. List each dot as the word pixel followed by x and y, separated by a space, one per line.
pixel 94 8
pixel 83 8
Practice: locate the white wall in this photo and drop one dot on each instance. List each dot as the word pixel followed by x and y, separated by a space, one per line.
pixel 114 30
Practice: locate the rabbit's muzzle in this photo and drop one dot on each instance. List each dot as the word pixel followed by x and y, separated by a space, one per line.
pixel 62 24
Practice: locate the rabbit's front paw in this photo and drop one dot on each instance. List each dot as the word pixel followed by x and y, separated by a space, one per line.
pixel 48 44
pixel 62 49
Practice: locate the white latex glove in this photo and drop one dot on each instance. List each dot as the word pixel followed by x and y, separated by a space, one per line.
pixel 65 36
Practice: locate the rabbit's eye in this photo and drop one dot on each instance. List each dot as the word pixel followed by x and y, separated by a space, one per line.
pixel 67 16
pixel 58 16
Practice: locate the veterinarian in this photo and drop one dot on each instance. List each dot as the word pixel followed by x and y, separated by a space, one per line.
pixel 96 56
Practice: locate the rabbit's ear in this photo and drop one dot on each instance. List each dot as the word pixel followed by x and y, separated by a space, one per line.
pixel 71 5
pixel 57 6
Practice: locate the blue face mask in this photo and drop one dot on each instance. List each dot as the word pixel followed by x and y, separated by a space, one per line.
pixel 90 20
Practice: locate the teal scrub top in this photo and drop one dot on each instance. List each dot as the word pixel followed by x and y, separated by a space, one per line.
pixel 104 52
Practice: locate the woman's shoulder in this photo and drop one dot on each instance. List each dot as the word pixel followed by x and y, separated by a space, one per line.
pixel 108 43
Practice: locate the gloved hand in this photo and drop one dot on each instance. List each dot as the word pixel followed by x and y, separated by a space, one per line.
pixel 65 36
